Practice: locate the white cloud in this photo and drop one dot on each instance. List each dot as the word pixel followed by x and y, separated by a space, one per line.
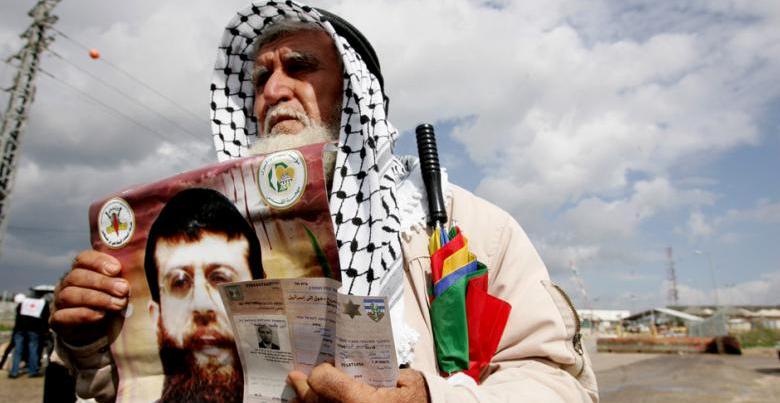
pixel 560 119
pixel 559 256
pixel 765 211
pixel 760 291
pixel 698 226
pixel 693 296
pixel 594 218
pixel 580 116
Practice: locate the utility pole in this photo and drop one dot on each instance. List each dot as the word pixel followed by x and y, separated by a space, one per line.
pixel 712 274
pixel 21 97
pixel 575 273
pixel 673 297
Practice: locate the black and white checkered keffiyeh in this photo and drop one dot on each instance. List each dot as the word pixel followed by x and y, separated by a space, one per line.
pixel 363 201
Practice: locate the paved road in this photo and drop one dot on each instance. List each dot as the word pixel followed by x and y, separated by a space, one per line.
pixel 754 377
pixel 690 378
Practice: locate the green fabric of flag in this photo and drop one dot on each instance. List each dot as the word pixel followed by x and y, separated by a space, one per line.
pixel 450 328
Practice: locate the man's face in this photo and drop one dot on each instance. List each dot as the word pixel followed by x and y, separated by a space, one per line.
pixel 265 334
pixel 191 315
pixel 298 83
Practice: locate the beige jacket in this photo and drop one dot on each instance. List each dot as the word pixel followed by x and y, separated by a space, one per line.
pixel 536 361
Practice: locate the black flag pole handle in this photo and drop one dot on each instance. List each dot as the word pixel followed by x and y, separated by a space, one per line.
pixel 431 173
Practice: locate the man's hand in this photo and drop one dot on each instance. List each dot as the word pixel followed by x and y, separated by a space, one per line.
pixel 84 297
pixel 328 384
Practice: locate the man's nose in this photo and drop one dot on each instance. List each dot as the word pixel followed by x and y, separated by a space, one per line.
pixel 203 304
pixel 278 88
pixel 204 318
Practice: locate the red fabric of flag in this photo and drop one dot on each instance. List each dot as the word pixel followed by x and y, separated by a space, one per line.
pixel 486 316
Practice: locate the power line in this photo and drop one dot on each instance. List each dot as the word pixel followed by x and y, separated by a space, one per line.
pixel 125 95
pixel 47 229
pixel 108 107
pixel 114 110
pixel 130 76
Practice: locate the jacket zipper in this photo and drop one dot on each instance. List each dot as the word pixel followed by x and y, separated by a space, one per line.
pixel 577 339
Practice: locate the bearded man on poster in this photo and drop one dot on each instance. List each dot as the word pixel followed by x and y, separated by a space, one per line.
pixel 198 241
pixel 288 75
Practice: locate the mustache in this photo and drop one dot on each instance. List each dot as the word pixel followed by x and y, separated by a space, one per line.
pixel 178 359
pixel 281 110
pixel 197 337
pixel 205 337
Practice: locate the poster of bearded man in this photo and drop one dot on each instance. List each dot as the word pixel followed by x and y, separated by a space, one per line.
pixel 179 238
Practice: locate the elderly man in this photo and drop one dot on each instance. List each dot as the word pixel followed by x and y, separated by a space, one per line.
pixel 288 75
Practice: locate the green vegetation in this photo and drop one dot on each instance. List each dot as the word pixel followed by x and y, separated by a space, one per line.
pixel 760 337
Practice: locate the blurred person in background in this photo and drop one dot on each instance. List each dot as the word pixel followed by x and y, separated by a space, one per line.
pixel 18 298
pixel 31 323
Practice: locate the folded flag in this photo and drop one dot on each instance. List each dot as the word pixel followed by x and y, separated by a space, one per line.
pixel 467 321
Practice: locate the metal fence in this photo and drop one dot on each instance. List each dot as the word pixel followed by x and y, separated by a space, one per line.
pixel 713 326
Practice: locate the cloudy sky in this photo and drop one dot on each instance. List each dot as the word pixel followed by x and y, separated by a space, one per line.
pixel 611 130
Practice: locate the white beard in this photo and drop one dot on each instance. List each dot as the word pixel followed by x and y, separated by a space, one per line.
pixel 311 134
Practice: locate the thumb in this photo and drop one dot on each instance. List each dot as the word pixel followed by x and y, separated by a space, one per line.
pixel 300 383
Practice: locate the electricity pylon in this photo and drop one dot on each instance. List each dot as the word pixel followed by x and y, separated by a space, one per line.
pixel 21 97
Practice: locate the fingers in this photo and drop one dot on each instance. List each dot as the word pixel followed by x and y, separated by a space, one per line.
pixel 90 291
pixel 73 296
pixel 298 381
pixel 75 317
pixel 408 377
pixel 92 284
pixel 331 384
pixel 411 387
pixel 98 262
pixel 88 279
pixel 80 313
pixel 326 383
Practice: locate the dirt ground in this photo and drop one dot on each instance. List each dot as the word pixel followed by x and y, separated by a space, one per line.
pixel 21 389
pixel 752 377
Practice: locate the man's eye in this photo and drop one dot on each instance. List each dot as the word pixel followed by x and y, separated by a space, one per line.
pixel 300 66
pixel 221 276
pixel 179 283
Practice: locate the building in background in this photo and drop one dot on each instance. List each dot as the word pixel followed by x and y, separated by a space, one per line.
pixel 738 318
pixel 661 321
pixel 602 321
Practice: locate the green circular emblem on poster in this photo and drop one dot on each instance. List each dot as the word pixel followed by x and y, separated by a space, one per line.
pixel 282 178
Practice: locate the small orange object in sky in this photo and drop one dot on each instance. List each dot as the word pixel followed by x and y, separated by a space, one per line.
pixel 93 53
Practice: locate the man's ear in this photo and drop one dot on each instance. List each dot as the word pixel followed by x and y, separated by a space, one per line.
pixel 154 313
